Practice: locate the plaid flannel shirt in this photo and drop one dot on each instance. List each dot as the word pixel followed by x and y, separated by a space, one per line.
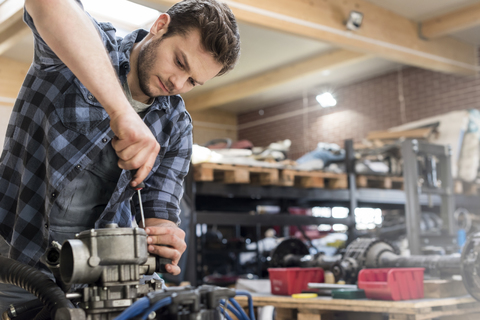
pixel 57 128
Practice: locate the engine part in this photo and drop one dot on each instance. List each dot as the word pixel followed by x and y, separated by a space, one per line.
pixel 466 221
pixel 374 253
pixel 470 265
pixel 110 264
pixel 109 255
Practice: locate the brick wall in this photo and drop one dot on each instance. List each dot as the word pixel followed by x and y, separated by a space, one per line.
pixel 362 107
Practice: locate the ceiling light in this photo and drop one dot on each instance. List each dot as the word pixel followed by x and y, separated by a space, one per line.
pixel 326 100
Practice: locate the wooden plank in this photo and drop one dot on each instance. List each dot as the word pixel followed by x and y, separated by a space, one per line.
pixel 408 134
pixel 451 22
pixel 362 316
pixel 474 316
pixel 444 313
pixel 309 314
pixel 285 314
pixel 312 179
pixel 270 79
pixel 235 174
pixel 381 182
pixel 443 288
pixel 383 32
pixel 395 316
pixel 373 306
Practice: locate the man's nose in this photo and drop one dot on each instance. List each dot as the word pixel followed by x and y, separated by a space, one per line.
pixel 179 80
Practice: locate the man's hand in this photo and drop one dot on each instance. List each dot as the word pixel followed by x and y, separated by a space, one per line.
pixel 71 34
pixel 167 240
pixel 134 144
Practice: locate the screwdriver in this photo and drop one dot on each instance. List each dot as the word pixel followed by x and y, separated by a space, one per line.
pixel 160 261
pixel 139 187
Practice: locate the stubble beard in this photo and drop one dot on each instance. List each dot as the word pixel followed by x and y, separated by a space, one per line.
pixel 145 63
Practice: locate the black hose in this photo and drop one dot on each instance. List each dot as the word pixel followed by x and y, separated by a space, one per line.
pixel 35 282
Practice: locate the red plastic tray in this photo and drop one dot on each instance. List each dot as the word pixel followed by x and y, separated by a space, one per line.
pixel 287 281
pixel 392 283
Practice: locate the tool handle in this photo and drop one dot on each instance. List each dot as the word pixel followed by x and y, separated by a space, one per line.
pixel 141 185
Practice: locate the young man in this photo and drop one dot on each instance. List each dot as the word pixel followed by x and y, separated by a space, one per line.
pixel 92 108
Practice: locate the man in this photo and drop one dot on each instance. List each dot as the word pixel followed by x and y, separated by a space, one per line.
pixel 92 109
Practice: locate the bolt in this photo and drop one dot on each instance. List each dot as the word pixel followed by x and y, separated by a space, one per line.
pixel 152 315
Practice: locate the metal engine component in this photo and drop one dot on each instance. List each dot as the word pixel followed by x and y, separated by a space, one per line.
pixel 117 279
pixel 466 220
pixel 361 253
pixel 374 253
pixel 470 265
pixel 111 255
pixel 111 261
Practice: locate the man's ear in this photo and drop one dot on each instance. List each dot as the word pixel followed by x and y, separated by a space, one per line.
pixel 160 26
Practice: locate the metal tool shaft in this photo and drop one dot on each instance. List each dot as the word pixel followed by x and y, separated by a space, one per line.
pixel 141 208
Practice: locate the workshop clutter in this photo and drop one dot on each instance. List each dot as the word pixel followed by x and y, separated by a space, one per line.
pixel 287 281
pixel 392 283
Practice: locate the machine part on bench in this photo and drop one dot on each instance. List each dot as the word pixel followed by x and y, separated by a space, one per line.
pixel 290 246
pixel 374 253
pixel 470 265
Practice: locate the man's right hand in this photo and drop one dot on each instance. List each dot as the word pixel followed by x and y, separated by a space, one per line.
pixel 72 36
pixel 134 144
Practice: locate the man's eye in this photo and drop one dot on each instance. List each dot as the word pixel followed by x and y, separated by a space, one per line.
pixel 179 64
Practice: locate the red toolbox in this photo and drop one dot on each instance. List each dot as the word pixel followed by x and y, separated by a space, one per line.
pixel 287 281
pixel 392 283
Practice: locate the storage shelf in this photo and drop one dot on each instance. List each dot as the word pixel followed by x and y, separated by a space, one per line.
pixel 364 196
pixel 245 219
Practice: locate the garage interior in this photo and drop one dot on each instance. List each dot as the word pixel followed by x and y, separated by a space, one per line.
pixel 336 170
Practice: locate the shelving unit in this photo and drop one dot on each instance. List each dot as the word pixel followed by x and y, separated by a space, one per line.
pixel 232 205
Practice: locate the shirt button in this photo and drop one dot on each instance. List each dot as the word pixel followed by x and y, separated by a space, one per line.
pixel 104 140
pixel 125 65
pixel 46 226
pixel 78 166
pixel 90 97
pixel 54 195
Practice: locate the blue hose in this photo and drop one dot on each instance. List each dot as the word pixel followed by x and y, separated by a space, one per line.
pixel 159 304
pixel 135 309
pixel 225 314
pixel 235 312
pixel 239 308
pixel 250 302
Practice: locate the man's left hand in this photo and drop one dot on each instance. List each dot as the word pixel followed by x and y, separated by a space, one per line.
pixel 166 240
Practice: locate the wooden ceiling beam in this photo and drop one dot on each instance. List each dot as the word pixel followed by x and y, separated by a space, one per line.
pixel 266 80
pixel 12 27
pixel 383 33
pixel 451 22
pixel 12 74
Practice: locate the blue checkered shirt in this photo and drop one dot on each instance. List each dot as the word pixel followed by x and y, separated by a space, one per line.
pixel 57 128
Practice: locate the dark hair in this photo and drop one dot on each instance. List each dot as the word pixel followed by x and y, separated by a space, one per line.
pixel 217 26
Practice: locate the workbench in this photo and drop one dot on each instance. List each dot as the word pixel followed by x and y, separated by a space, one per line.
pixel 326 308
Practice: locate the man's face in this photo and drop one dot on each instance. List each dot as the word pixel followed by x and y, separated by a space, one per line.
pixel 174 65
